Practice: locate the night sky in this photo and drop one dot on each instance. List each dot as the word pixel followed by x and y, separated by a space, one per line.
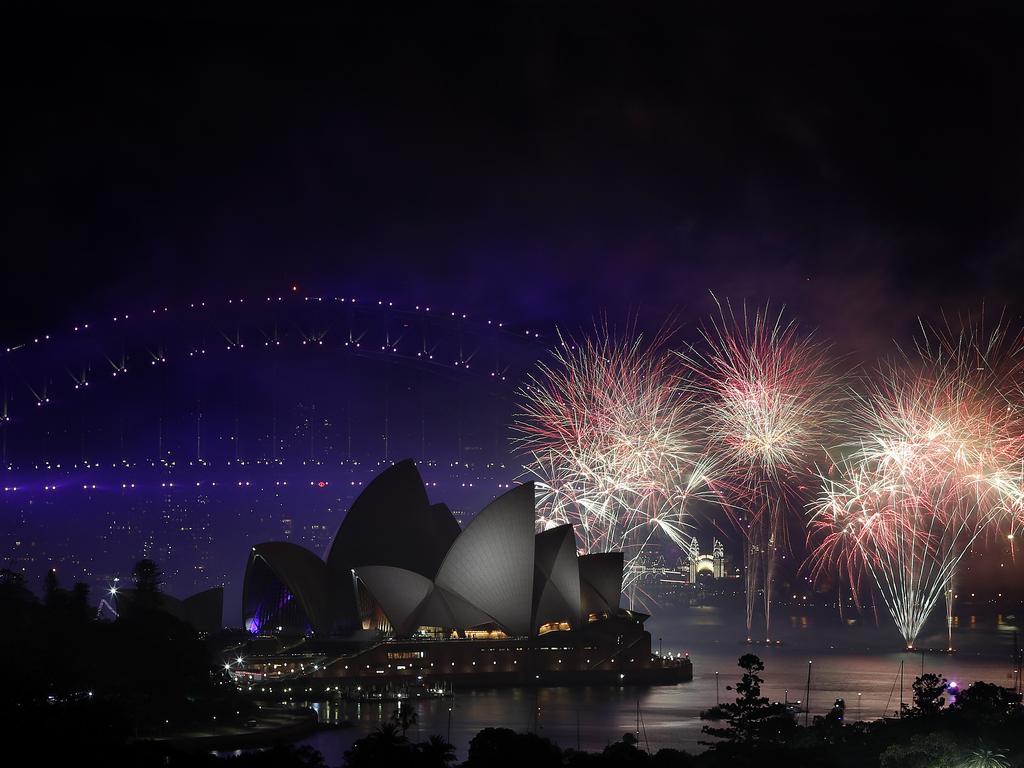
pixel 545 162
pixel 542 164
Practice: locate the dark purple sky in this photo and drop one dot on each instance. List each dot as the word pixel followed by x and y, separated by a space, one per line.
pixel 536 162
pixel 544 162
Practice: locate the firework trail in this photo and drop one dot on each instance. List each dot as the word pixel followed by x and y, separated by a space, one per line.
pixel 937 464
pixel 613 445
pixel 769 398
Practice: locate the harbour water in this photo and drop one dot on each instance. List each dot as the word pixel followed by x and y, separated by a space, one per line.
pixel 859 663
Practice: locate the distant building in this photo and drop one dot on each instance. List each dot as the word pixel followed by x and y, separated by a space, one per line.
pixel 696 563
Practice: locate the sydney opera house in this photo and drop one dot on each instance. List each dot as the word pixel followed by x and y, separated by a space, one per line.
pixel 404 591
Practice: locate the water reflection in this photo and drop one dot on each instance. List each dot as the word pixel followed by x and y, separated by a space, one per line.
pixel 859 663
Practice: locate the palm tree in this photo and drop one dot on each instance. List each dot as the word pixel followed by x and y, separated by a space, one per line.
pixel 986 758
pixel 404 718
pixel 387 734
pixel 385 746
pixel 436 752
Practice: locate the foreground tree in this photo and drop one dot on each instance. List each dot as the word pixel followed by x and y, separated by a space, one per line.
pixel 625 752
pixel 829 727
pixel 753 722
pixel 924 750
pixel 929 694
pixel 435 752
pixel 385 746
pixel 51 588
pixel 148 582
pixel 404 718
pixel 986 703
pixel 504 748
pixel 986 758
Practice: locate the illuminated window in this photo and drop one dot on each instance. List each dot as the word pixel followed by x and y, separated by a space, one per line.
pixel 553 626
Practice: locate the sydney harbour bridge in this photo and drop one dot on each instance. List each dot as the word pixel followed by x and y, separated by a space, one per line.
pixel 185 433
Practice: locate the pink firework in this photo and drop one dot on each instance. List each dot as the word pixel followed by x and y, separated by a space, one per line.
pixel 614 445
pixel 769 395
pixel 935 465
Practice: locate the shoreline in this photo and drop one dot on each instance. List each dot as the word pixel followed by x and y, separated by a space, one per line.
pixel 282 725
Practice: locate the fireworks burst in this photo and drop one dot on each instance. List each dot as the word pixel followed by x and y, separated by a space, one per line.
pixel 769 396
pixel 937 463
pixel 613 445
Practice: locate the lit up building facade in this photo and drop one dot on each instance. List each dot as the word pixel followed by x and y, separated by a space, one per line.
pixel 493 599
pixel 712 564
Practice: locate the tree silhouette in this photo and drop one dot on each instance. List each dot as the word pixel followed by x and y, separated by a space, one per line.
pixel 986 703
pixel 986 758
pixel 17 603
pixel 385 746
pixel 404 719
pixel 625 752
pixel 753 721
pixel 51 587
pixel 830 726
pixel 504 748
pixel 929 694
pixel 80 602
pixel 148 581
pixel 922 750
pixel 435 752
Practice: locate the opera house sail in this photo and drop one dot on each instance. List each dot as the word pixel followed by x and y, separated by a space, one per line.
pixel 402 582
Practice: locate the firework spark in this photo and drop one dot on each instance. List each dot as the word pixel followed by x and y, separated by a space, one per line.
pixel 769 395
pixel 614 445
pixel 937 463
